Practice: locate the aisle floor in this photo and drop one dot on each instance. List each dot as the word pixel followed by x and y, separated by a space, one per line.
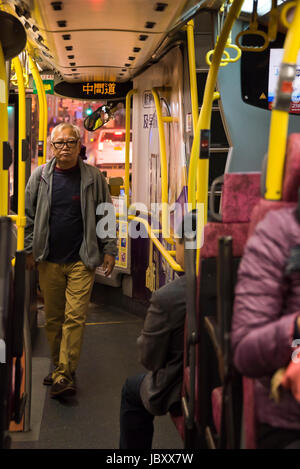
pixel 90 420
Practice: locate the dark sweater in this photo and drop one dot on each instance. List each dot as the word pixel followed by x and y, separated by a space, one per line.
pixel 66 226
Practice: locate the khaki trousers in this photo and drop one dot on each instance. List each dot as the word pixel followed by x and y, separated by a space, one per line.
pixel 66 289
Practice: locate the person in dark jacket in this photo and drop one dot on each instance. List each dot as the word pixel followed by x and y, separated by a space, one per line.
pixel 160 347
pixel 266 322
pixel 61 200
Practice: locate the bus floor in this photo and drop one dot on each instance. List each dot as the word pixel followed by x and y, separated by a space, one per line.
pixel 90 420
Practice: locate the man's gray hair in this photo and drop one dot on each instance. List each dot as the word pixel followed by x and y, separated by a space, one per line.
pixel 65 125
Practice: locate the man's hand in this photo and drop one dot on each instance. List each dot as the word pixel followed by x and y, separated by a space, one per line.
pixel 30 262
pixel 108 264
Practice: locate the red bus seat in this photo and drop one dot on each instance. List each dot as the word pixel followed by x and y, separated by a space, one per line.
pixel 239 196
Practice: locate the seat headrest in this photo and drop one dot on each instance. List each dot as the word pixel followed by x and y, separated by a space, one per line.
pixel 291 179
pixel 116 181
pixel 241 192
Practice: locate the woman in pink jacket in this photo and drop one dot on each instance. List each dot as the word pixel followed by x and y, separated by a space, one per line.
pixel 265 322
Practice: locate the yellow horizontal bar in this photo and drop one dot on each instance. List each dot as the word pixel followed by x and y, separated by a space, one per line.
pixel 169 119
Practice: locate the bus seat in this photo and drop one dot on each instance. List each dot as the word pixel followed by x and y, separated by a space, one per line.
pixel 291 184
pixel 235 222
pixel 240 194
pixel 114 185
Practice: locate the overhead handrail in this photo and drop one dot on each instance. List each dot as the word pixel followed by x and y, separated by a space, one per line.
pixel 280 110
pixel 42 145
pixel 127 143
pixel 253 31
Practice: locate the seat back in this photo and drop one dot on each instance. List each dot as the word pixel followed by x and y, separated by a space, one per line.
pixel 291 183
pixel 236 212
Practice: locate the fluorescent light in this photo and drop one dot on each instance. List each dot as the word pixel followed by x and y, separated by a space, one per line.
pixel 263 7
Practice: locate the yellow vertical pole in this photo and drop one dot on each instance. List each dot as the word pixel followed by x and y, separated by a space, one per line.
pixel 200 167
pixel 193 74
pixel 127 144
pixel 42 110
pixel 205 115
pixel 280 118
pixel 21 219
pixel 163 167
pixel 45 122
pixel 193 86
pixel 3 135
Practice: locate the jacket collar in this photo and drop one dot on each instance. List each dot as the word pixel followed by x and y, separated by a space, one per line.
pixel 86 177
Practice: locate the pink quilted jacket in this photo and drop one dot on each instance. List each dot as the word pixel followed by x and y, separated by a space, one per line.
pixel 267 302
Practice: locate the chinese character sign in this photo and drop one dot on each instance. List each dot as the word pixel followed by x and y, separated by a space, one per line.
pixel 103 88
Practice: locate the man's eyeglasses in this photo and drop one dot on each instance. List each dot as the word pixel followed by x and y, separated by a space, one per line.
pixel 69 143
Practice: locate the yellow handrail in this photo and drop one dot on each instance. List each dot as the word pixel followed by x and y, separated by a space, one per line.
pixel 42 110
pixel 127 143
pixel 205 115
pixel 193 74
pixel 202 168
pixel 280 118
pixel 21 219
pixel 45 122
pixel 3 135
pixel 163 165
pixel 164 252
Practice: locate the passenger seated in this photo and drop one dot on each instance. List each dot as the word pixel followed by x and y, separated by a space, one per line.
pixel 266 320
pixel 161 352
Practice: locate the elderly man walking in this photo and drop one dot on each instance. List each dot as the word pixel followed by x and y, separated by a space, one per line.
pixel 60 236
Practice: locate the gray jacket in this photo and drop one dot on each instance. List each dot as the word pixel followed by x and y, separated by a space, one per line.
pixel 38 194
pixel 161 347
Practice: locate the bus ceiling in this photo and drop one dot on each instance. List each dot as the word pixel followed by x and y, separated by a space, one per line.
pixel 101 40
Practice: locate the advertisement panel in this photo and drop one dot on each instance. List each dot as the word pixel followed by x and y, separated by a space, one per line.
pixel 276 56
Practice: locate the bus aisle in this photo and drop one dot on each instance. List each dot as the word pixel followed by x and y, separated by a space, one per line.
pixel 90 420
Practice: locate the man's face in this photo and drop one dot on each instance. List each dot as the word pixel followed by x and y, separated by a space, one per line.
pixel 66 147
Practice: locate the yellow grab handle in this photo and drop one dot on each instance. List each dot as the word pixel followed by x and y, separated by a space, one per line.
pixel 238 55
pixel 224 61
pixel 252 32
pixel 284 13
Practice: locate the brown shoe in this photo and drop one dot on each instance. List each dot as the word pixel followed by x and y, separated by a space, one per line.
pixel 62 388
